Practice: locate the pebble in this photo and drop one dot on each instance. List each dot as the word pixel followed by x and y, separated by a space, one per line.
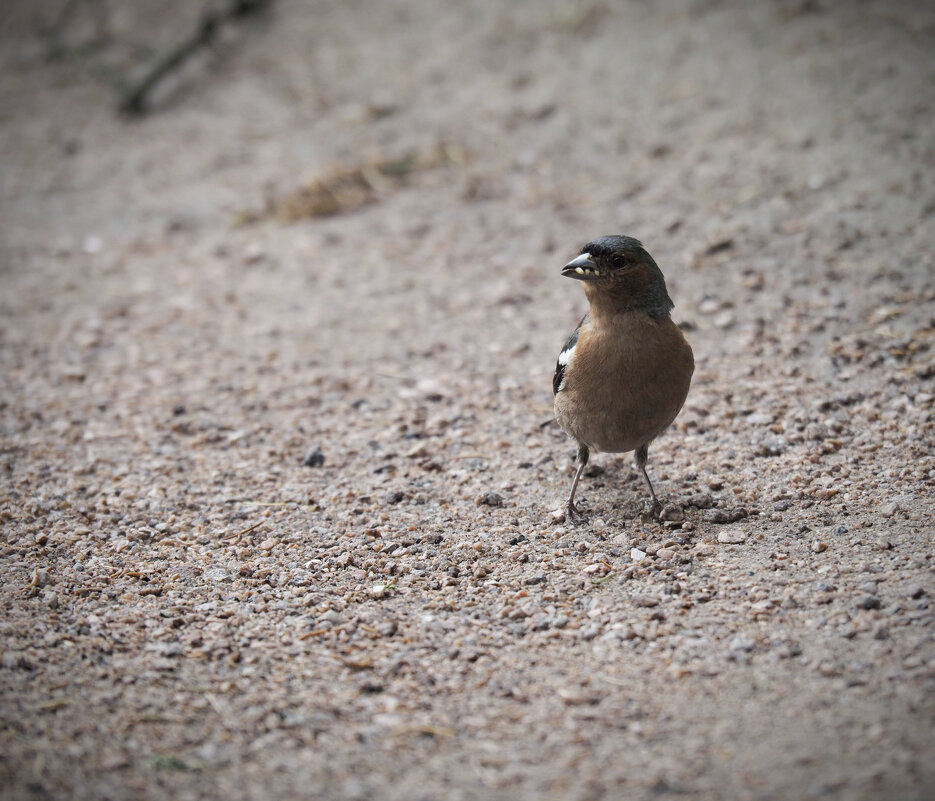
pixel 881 631
pixel 731 537
pixel 785 649
pixel 92 244
pixel 314 458
pixel 489 499
pixel 775 446
pixel 890 509
pixel 254 252
pixel 883 544
pixel 868 602
pixel 760 418
pixel 761 608
pixel 637 555
pixel 645 600
pixel 819 547
pixel 580 698
pixel 621 631
pixel 725 320
pixel 724 515
pixel 217 574
pixel 740 643
pixel 703 500
pixel 596 569
pixel 671 512
pixel 590 631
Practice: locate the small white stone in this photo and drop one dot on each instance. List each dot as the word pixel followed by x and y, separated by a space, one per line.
pixel 760 419
pixel 725 320
pixel 741 643
pixel 92 244
pixel 217 574
pixel 254 252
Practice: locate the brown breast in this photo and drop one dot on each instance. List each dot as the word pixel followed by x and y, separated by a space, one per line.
pixel 625 383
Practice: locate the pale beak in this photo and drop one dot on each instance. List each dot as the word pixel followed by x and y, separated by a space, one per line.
pixel 582 268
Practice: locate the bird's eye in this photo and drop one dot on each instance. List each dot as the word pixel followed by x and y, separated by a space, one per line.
pixel 618 261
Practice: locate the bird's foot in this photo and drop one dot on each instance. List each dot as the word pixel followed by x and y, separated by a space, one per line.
pixel 652 509
pixel 568 512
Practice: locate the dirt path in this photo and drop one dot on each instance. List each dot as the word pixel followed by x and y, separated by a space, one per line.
pixel 189 611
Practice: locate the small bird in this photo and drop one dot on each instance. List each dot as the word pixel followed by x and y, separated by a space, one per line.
pixel 624 373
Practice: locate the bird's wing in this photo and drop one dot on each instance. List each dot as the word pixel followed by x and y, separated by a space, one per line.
pixel 564 357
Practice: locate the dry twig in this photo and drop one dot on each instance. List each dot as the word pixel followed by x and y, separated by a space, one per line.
pixel 135 96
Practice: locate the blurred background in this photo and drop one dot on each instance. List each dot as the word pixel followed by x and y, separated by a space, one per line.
pixel 386 143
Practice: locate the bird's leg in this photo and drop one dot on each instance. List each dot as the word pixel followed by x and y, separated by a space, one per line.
pixel 582 460
pixel 642 454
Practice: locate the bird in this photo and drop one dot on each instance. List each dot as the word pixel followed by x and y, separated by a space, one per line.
pixel 624 374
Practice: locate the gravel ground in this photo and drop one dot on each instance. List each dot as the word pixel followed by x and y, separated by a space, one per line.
pixel 277 487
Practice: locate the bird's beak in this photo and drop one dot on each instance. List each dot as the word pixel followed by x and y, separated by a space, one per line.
pixel 583 268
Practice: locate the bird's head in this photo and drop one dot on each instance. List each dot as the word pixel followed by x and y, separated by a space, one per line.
pixel 619 271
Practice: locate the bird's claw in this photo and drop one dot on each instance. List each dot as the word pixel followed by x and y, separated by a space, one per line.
pixel 653 509
pixel 568 512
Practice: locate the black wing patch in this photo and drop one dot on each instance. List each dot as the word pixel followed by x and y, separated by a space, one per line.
pixel 558 380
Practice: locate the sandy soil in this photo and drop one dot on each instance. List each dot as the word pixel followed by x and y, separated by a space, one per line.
pixel 190 611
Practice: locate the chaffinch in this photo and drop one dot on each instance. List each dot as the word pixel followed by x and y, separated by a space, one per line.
pixel 624 373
